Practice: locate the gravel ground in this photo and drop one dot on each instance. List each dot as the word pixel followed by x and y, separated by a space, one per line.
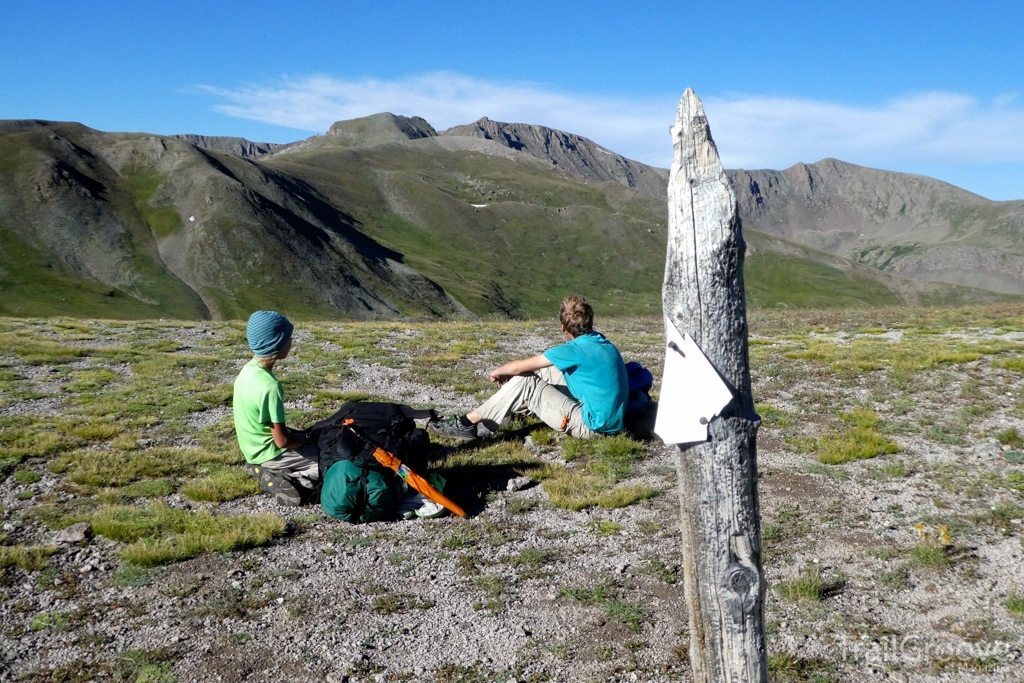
pixel 523 591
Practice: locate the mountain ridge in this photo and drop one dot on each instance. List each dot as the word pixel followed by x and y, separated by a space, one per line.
pixel 385 217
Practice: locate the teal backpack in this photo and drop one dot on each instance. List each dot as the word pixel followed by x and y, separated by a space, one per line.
pixel 357 488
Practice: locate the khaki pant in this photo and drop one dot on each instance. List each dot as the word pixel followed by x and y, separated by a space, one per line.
pixel 542 393
pixel 301 465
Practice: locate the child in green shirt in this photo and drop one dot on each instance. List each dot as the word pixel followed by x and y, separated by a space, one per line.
pixel 284 461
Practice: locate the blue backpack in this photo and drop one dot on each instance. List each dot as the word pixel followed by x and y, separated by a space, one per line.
pixel 641 410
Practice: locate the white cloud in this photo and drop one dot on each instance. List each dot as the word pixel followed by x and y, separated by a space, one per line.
pixel 927 128
pixel 751 132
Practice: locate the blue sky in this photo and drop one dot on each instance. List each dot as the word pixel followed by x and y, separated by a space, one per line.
pixel 923 87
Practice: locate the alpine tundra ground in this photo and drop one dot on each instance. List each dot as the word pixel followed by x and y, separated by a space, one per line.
pixel 890 454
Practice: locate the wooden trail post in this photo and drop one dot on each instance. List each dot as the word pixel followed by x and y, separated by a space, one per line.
pixel 721 528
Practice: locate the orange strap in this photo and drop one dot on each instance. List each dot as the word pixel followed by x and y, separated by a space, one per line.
pixel 565 423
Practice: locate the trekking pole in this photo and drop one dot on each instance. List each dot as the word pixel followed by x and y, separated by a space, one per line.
pixel 391 461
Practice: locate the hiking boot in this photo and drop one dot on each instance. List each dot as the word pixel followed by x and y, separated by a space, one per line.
pixel 252 470
pixel 284 491
pixel 452 428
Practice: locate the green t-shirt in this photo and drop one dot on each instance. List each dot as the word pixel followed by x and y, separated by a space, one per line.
pixel 259 400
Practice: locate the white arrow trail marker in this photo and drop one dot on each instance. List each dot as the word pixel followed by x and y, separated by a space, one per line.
pixel 691 391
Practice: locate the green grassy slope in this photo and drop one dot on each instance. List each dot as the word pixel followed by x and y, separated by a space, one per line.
pixel 174 231
pixel 134 225
pixel 73 239
pixel 539 236
pixel 542 234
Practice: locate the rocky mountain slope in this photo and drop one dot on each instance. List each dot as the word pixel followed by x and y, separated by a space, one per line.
pixel 239 146
pixel 575 154
pixel 910 225
pixel 172 229
pixel 382 217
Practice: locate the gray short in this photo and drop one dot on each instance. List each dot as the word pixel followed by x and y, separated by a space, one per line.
pixel 299 464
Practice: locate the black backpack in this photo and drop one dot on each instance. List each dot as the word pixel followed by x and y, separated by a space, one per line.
pixel 357 488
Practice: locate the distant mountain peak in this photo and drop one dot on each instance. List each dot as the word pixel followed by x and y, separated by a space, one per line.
pixel 239 146
pixel 380 128
pixel 573 153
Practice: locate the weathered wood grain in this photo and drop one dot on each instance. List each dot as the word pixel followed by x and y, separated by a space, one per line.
pixel 703 296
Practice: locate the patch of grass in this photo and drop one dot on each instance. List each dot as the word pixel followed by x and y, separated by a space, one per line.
pixel 468 565
pixel 105 468
pixel 221 485
pixel 787 668
pixel 929 556
pixel 332 399
pixel 91 380
pixel 611 455
pixel 603 527
pixel 30 558
pixel 596 595
pixel 860 418
pixel 808 587
pixel 492 585
pixel 358 542
pixel 130 576
pixel 1016 364
pixel 19 443
pixel 124 442
pixel 663 572
pixel 533 558
pixel 393 603
pixel 576 491
pixel 458 540
pixel 96 431
pixel 544 436
pixel 897 579
pixel 520 505
pixel 632 615
pixel 788 523
pixel 569 489
pixel 26 477
pixel 858 443
pixel 1015 604
pixel 895 469
pixel 1010 437
pixel 1000 516
pixel 149 488
pixel 145 666
pixel 773 417
pixel 159 534
pixel 44 621
pixel 952 435
pixel 33 351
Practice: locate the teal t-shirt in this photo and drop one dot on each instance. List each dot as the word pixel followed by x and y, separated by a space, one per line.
pixel 596 375
pixel 258 401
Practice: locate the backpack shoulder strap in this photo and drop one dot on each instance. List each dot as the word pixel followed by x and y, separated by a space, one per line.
pixel 413 414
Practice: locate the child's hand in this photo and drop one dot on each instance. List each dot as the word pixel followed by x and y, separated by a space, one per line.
pixel 499 378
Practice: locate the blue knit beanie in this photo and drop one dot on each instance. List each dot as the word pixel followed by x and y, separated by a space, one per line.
pixel 267 333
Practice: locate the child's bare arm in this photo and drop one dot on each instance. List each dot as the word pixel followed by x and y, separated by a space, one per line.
pixel 286 438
